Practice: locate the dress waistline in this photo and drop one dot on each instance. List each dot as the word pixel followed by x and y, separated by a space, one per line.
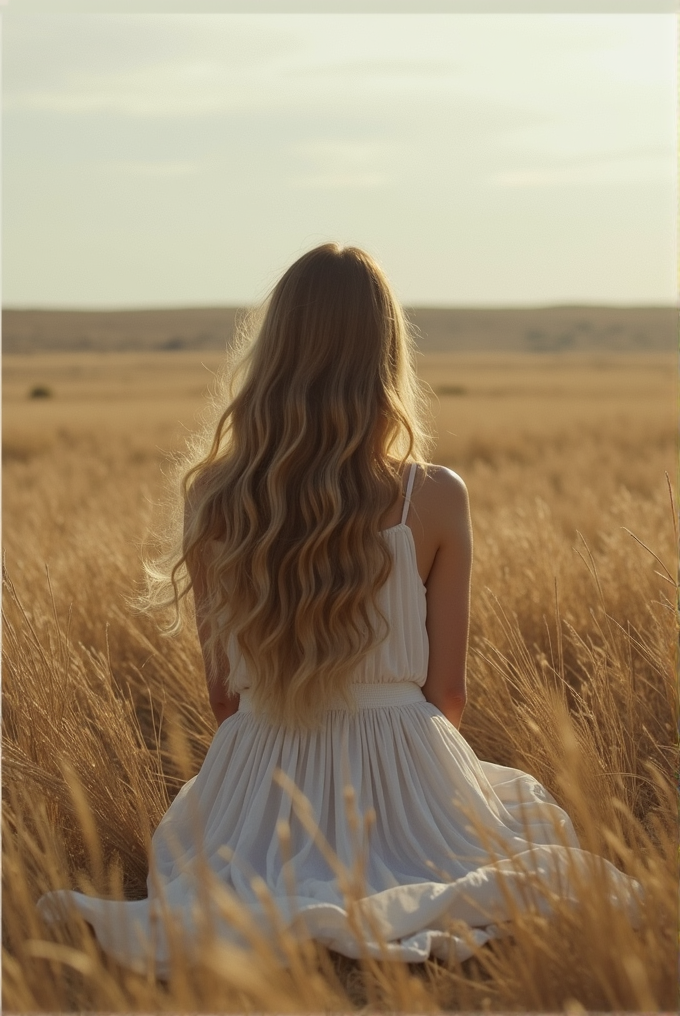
pixel 365 696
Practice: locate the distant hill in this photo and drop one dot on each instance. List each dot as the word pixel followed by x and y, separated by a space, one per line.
pixel 546 329
pixel 525 329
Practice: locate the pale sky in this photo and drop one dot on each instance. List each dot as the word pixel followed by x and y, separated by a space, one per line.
pixel 186 160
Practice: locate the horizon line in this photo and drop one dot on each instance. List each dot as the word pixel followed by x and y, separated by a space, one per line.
pixel 155 308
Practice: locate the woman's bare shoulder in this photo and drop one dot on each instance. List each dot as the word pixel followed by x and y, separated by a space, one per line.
pixel 443 479
pixel 442 502
pixel 444 488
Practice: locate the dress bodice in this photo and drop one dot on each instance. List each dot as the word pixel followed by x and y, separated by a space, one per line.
pixel 404 655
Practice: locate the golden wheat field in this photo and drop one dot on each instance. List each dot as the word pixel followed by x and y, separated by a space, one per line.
pixel 571 675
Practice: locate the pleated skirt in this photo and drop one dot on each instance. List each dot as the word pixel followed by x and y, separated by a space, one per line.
pixel 380 834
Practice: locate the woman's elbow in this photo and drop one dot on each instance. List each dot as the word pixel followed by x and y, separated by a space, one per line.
pixel 450 703
pixel 223 704
pixel 453 707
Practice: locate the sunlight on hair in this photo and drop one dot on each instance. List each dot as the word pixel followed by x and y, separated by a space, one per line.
pixel 319 396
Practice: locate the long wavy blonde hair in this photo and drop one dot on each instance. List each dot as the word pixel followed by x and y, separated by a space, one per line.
pixel 320 410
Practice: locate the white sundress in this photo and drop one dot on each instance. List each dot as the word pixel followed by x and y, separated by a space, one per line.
pixel 434 847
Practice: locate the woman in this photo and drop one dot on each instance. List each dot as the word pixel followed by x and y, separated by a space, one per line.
pixel 330 569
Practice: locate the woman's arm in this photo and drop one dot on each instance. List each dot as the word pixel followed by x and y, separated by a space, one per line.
pixel 448 597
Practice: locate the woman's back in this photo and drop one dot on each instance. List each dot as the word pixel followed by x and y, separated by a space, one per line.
pixel 403 656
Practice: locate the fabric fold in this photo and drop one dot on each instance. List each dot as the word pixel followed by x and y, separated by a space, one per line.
pixel 432 849
pixel 380 834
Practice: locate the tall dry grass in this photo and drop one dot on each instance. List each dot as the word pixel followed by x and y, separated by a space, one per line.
pixel 572 678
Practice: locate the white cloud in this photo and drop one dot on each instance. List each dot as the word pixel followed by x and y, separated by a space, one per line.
pixel 598 169
pixel 158 169
pixel 142 65
pixel 344 165
pixel 340 181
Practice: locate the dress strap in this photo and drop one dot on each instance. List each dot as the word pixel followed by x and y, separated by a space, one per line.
pixel 409 488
